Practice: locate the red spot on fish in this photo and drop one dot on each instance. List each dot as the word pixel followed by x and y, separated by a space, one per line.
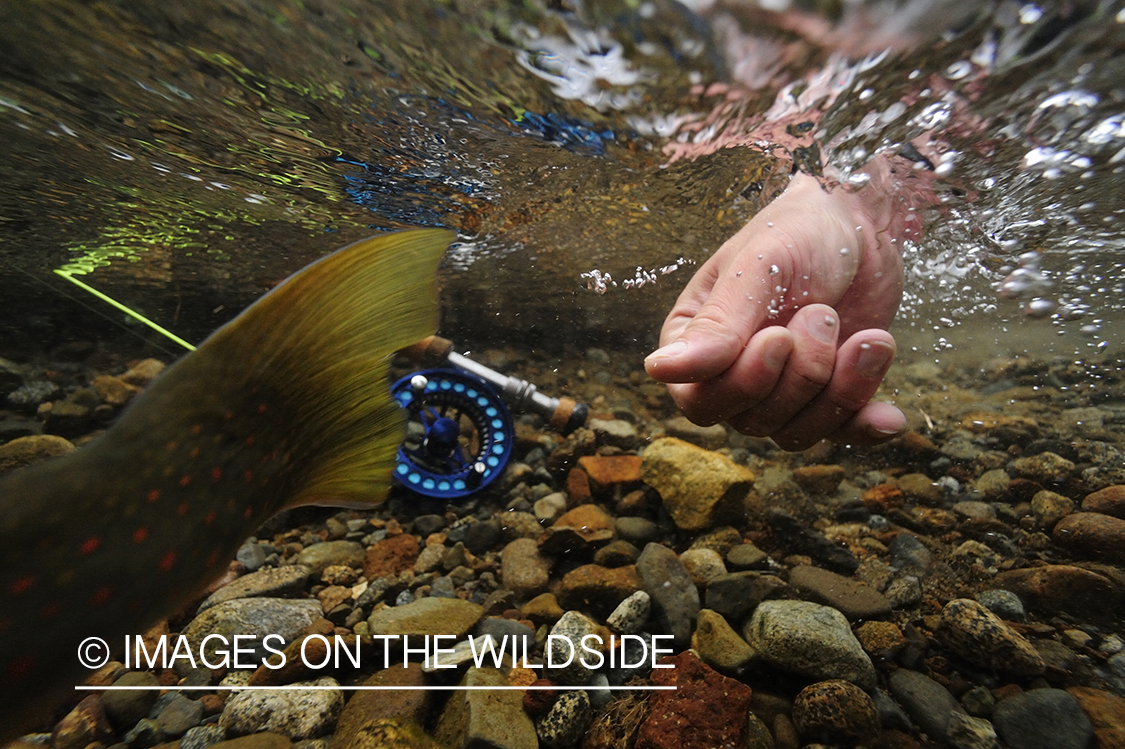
pixel 101 596
pixel 90 545
pixel 19 669
pixel 228 415
pixel 197 429
pixel 52 609
pixel 210 518
pixel 172 445
pixel 140 534
pixel 167 561
pixel 212 559
pixel 153 495
pixel 250 441
pixel 261 408
pixel 194 452
pixel 185 479
pixel 248 512
pixel 182 508
pixel 216 474
pixel 248 475
pixel 22 585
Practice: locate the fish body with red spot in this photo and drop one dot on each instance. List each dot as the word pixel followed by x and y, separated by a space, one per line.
pixel 286 405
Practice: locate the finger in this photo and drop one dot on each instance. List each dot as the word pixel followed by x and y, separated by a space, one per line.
pixel 749 380
pixel 873 424
pixel 861 364
pixel 807 371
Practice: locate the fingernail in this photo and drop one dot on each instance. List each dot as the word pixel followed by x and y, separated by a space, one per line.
pixel 823 327
pixel 776 351
pixel 873 359
pixel 675 348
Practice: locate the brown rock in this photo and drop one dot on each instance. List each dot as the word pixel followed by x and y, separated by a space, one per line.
pixel 819 479
pixel 523 570
pixel 608 470
pixel 256 741
pixel 366 711
pixel 578 486
pixel 391 556
pixel 25 451
pixel 1046 468
pixel 143 372
pixel 706 711
pixel 597 589
pixel 854 599
pixel 1092 534
pixel 114 390
pixel 543 609
pixel 85 724
pixel 1106 712
pixel 699 488
pixel 590 522
pixel 1107 501
pixel 982 638
pixel 880 640
pixel 836 712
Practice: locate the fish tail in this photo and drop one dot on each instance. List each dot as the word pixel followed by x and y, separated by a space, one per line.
pixel 319 345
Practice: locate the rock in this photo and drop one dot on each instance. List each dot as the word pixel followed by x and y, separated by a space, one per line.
pixel 550 507
pixel 566 721
pixel 720 646
pixel 747 557
pixel 25 451
pixel 564 651
pixel 383 733
pixel 83 725
pixel 543 609
pixel 507 633
pixel 1043 719
pixel 854 599
pixel 993 484
pixel 699 488
pixel 426 616
pixel 125 708
pixel 735 594
pixel 709 438
pixel 256 741
pixel 298 714
pixel 1106 712
pixel 706 710
pixel 606 471
pixel 178 715
pixel 318 557
pixel 615 432
pixel 982 638
pixel 28 396
pixel 592 524
pixel 819 480
pixel 1049 508
pixel 1045 468
pixel 204 737
pixel 928 703
pixel 702 565
pixel 801 540
pixel 631 614
pixel 880 640
pixel 903 591
pixel 483 536
pixel 429 559
pixel 114 390
pixel 1060 588
pixel 523 570
pixel 963 731
pixel 391 556
pixel 597 589
pixel 1092 534
pixel 143 372
pixel 367 712
pixel 808 639
pixel 1107 501
pixel 758 734
pixel 617 553
pixel 835 712
pixel 636 529
pixel 492 718
pixel 251 555
pixel 674 596
pixel 919 487
pixel 1004 603
pixel 721 540
pixel 909 554
pixel 257 617
pixel 273 582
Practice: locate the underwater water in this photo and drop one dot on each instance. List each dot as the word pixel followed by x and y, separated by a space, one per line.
pixel 184 158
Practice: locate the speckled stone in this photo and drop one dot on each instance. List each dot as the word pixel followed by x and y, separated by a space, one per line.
pixel 706 711
pixel 296 714
pixel 981 637
pixel 1046 468
pixel 570 628
pixel 250 616
pixel 272 582
pixel 835 712
pixel 566 721
pixel 631 614
pixel 1050 507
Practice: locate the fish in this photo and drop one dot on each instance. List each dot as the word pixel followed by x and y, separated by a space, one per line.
pixel 288 404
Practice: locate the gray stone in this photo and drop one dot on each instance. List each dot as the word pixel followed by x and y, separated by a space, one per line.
pixel 851 597
pixel 675 597
pixel 298 714
pixel 928 703
pixel 257 617
pixel 747 557
pixel 125 708
pixel 328 553
pixel 808 639
pixel 1004 603
pixel 909 554
pixel 1043 719
pixel 566 721
pixel 615 432
pixel 178 716
pixel 636 530
pixel 202 737
pixel 703 565
pixel 505 632
pixel 523 570
pixel 735 594
pixel 492 718
pixel 564 647
pixel 274 582
pixel 631 614
pixel 251 556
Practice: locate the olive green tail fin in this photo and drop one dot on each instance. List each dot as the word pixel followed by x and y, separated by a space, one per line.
pixel 320 343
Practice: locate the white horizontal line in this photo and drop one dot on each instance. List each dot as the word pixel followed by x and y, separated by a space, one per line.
pixel 315 687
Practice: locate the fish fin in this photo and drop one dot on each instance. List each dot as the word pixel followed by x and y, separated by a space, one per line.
pixel 322 340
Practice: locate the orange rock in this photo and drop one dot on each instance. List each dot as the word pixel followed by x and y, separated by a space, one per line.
pixel 578 486
pixel 1093 534
pixel 611 469
pixel 391 556
pixel 586 519
pixel 1108 501
pixel 882 498
pixel 1106 711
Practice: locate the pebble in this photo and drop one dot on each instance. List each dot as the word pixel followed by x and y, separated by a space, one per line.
pixel 25 451
pixel 799 539
pixel 619 553
pixel 735 594
pixel 706 710
pixel 523 570
pixel 981 637
pixel 597 589
pixel 125 708
pixel 426 616
pixel 430 558
pixel 880 640
pixel 854 599
pixel 83 725
pixel 928 703
pixel 202 737
pixel 819 480
pixel 391 556
pixel 611 470
pixel 1106 712
pixel 274 582
pixel 637 530
pixel 993 483
pixel 615 432
pixel 747 557
pixel 550 507
pixel 566 721
pixel 1049 508
pixel 964 731
pixel 1060 588
pixel 674 596
pixel 1092 534
pixel 1107 501
pixel 808 639
pixel 297 714
pixel 485 717
pixel 1045 468
pixel 718 645
pixel 702 565
pixel 709 438
pixel 257 617
pixel 368 709
pixel 631 614
pixel 835 712
pixel 178 715
pixel 1004 603
pixel 564 647
pixel 919 487
pixel 903 591
pixel 909 554
pixel 1043 719
pixel 699 488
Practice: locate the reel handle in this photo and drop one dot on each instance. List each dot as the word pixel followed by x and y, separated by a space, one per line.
pixel 563 414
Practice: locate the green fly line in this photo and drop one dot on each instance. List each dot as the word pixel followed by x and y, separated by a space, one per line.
pixel 131 313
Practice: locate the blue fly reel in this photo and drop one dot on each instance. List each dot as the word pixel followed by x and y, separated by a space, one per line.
pixel 459 433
